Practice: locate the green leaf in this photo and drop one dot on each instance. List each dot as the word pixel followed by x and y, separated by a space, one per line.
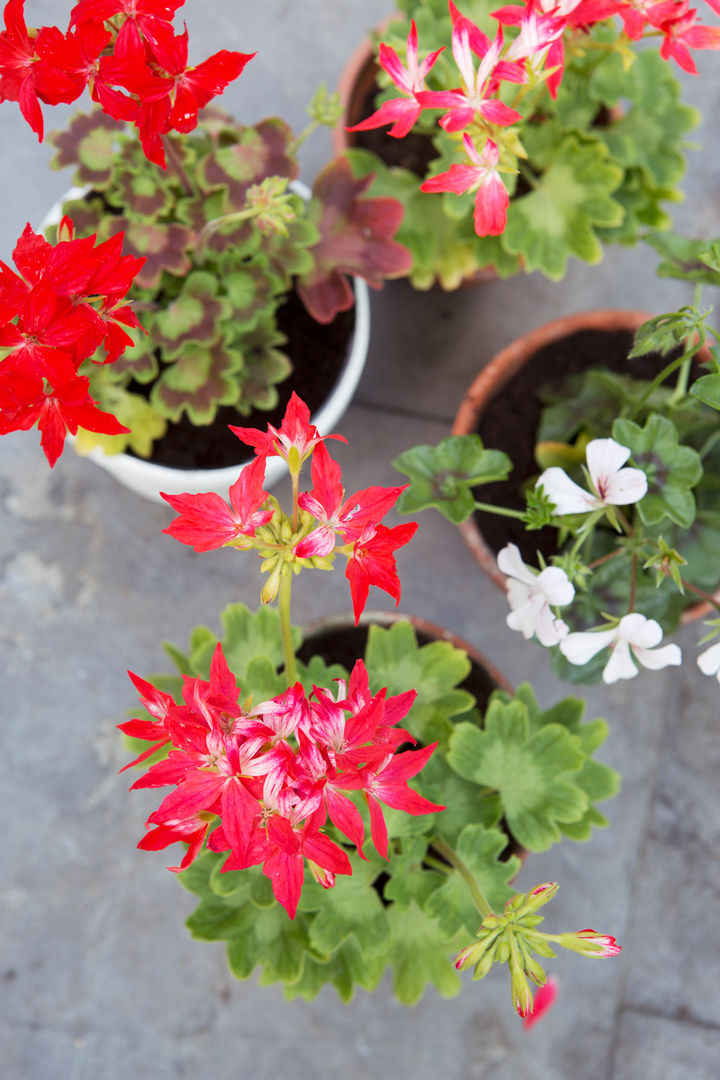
pixel 195 317
pixel 671 469
pixel 351 908
pixel 452 904
pixel 684 258
pixel 201 379
pixel 707 390
pixel 558 217
pixel 394 660
pixel 465 802
pixel 420 954
pixel 444 476
pixel 528 771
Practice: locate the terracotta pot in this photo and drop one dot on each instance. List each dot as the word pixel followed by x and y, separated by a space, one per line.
pixel 490 382
pixel 422 627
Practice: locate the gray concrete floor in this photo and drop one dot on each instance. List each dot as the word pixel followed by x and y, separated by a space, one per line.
pixel 100 981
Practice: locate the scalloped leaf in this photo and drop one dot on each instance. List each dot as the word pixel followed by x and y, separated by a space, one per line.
pixel 352 908
pixel 200 380
pixel 90 143
pixel 394 660
pixel 356 237
pixel 264 366
pixel 247 635
pixel 671 469
pixel 194 317
pixel 443 476
pixel 528 771
pixel 164 247
pixel 420 955
pixel 558 217
pixel 260 151
pixel 452 904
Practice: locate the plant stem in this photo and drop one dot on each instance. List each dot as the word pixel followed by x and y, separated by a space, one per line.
pixel 633 583
pixel 701 593
pixel 605 558
pixel 502 510
pixel 284 595
pixel 176 162
pixel 481 902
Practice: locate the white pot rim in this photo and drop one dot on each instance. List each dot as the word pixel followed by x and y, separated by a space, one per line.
pixel 148 479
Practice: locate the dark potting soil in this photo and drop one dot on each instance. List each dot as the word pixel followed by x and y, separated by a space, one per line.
pixel 414 152
pixel 343 645
pixel 318 353
pixel 510 423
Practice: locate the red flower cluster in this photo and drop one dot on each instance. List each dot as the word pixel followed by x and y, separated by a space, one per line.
pixel 537 52
pixel 207 522
pixel 261 781
pixel 129 55
pixel 67 300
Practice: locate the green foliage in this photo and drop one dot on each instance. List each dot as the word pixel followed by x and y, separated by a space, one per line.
pixel 443 476
pixel 411 913
pixel 223 244
pixel 672 470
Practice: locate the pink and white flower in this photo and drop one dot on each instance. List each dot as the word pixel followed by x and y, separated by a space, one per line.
pixel 531 595
pixel 492 199
pixel 635 638
pixel 612 484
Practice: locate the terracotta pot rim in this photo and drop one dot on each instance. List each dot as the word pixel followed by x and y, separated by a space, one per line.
pixel 420 624
pixel 492 378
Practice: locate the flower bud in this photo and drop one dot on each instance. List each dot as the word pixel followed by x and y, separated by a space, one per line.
pixel 590 943
pixel 271 586
pixel 541 894
pixel 521 996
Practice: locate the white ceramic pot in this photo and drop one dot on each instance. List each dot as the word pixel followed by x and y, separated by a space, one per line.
pixel 148 479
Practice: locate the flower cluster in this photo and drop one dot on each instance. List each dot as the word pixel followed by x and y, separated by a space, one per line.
pixel 320 517
pixel 512 938
pixel 535 55
pixel 532 595
pixel 129 55
pixel 260 780
pixel 66 301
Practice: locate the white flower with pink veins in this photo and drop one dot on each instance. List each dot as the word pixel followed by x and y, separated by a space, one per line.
pixel 612 484
pixel 635 638
pixel 531 594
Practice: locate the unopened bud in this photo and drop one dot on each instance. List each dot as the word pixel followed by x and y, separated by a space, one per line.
pixel 521 996
pixel 590 943
pixel 271 586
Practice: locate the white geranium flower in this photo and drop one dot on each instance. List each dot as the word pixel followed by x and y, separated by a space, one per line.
pixel 709 661
pixel 634 636
pixel 612 484
pixel 531 593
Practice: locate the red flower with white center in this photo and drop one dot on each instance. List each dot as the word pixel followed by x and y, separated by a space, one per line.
pixel 335 514
pixel 388 784
pixel 475 99
pixel 295 435
pixel 207 522
pixel 491 200
pixel 401 112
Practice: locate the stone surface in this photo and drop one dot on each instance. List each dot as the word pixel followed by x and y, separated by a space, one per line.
pixel 98 978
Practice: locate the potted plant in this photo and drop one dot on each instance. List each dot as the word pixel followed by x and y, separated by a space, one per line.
pixel 612 527
pixel 281 785
pixel 241 278
pixel 523 136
